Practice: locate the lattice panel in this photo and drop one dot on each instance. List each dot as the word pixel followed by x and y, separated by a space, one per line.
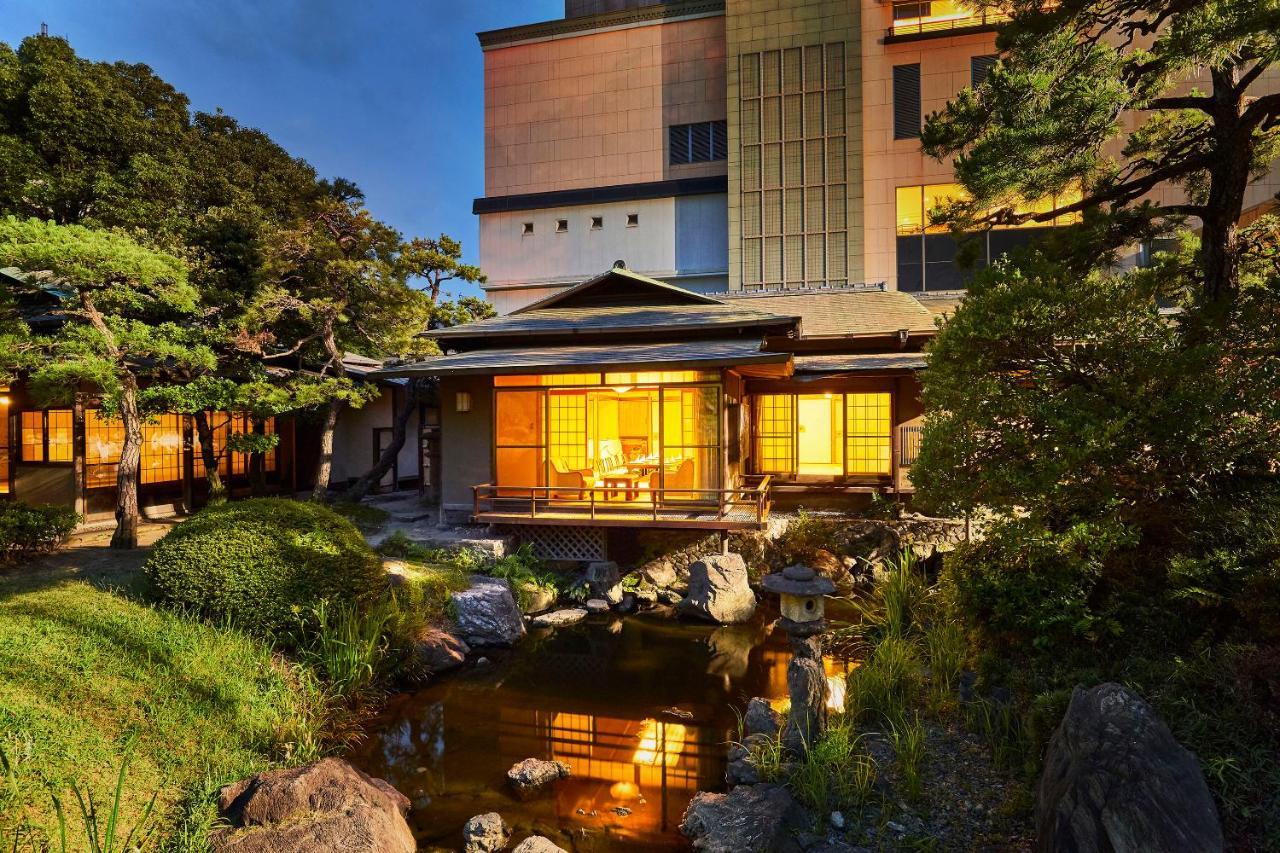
pixel 565 543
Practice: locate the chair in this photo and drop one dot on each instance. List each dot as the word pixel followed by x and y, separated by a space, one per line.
pixel 570 482
pixel 679 475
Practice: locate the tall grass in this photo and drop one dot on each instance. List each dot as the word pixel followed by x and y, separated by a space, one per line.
pixel 835 773
pixel 882 688
pixel 908 740
pixel 1005 733
pixel 348 645
pixel 899 605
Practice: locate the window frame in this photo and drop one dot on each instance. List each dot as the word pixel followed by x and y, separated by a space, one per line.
pixel 793 474
pixel 44 459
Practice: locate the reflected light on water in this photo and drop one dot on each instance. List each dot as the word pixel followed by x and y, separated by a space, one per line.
pixel 659 740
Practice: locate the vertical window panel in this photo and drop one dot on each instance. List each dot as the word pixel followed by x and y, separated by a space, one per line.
pixel 794 261
pixel 793 117
pixel 751 215
pixel 835 111
pixel 792 62
pixel 836 208
pixel 835 65
pixel 813 124
pixel 774 452
pixel 773 212
pixel 161 450
pixel 771 120
pixel 32 429
pixel 751 168
pixel 906 101
pixel 835 159
pixel 772 167
pixel 770 72
pixel 749 75
pixel 752 268
pixel 59 444
pixel 103 441
pixel 868 437
pixel 837 267
pixel 816 257
pixel 749 120
pixel 813 67
pixel 793 164
pixel 773 260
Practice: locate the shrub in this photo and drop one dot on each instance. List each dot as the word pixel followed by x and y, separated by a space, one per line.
pixel 27 531
pixel 257 563
pixel 805 535
pixel 1025 588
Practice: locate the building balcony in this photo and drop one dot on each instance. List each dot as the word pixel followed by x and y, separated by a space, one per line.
pixel 744 507
pixel 921 19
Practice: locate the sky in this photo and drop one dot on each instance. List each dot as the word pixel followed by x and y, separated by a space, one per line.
pixel 386 94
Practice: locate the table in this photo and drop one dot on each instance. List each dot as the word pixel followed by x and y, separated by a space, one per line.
pixel 630 482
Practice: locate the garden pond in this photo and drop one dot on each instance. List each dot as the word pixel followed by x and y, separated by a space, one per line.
pixel 642 707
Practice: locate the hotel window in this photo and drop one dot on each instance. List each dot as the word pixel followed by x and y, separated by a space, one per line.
pixel 980 68
pixel 703 142
pixel 906 101
pixel 824 436
pixel 46 436
pixel 927 252
pixel 793 165
pixel 916 17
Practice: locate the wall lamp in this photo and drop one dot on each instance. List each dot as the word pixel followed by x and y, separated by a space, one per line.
pixel 463 401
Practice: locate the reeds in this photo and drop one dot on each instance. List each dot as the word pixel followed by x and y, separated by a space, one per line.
pixel 835 772
pixel 908 740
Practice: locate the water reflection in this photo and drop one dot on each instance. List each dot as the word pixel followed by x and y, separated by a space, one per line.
pixel 640 708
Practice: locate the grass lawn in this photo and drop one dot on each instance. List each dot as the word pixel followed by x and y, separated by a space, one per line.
pixel 85 665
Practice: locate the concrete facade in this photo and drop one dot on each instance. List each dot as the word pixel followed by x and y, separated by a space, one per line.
pixel 578 114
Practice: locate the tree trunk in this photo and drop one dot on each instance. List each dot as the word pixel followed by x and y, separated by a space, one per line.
pixel 126 535
pixel 257 467
pixel 399 430
pixel 324 468
pixel 209 458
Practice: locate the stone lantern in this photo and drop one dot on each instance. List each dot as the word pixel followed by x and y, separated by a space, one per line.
pixel 802 593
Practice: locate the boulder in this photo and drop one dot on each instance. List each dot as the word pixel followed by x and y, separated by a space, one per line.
pixel 437 651
pixel 760 718
pixel 536 598
pixel 320 807
pixel 485 833
pixel 530 776
pixel 597 605
pixel 1116 780
pixel 719 590
pixel 487 614
pixel 660 573
pixel 748 819
pixel 604 580
pixel 559 618
pixel 538 844
pixel 646 595
pixel 741 770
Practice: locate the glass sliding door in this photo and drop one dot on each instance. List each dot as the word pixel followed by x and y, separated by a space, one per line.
pixel 620 437
pixel 829 436
pixel 520 453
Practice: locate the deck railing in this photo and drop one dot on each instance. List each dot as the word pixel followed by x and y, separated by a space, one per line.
pixel 922 17
pixel 749 500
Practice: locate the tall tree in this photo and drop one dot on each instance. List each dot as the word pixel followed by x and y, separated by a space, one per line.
pixel 338 287
pixel 435 267
pixel 1101 96
pixel 124 307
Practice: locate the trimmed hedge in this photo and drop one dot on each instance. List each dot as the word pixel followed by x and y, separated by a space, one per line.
pixel 28 531
pixel 256 563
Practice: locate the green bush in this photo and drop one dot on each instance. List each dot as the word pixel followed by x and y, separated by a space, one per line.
pixel 1025 588
pixel 257 563
pixel 27 531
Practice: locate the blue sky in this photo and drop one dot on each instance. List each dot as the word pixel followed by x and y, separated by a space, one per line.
pixel 387 94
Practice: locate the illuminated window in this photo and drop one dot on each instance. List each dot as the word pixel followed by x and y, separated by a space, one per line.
pixel 161 450
pixel 775 434
pixel 225 424
pixel 927 251
pixel 103 440
pixel 4 440
pixel 824 435
pixel 912 17
pixel 867 425
pixel 47 436
pixel 567 427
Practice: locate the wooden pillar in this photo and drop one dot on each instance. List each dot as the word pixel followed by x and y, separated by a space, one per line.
pixel 78 454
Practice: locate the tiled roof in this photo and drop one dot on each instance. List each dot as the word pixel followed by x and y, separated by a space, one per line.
pixel 712 353
pixel 831 313
pixel 858 362
pixel 942 304
pixel 612 319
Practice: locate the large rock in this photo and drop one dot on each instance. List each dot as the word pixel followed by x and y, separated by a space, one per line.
pixel 487 613
pixel 317 808
pixel 559 618
pixel 537 844
pixel 1116 780
pixel 760 718
pixel 748 819
pixel 438 651
pixel 719 590
pixel 485 833
pixel 529 777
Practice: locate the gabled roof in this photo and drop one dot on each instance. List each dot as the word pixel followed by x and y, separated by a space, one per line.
pixel 843 313
pixel 616 287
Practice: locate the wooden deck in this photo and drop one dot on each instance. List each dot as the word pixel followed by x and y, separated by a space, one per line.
pixel 743 508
